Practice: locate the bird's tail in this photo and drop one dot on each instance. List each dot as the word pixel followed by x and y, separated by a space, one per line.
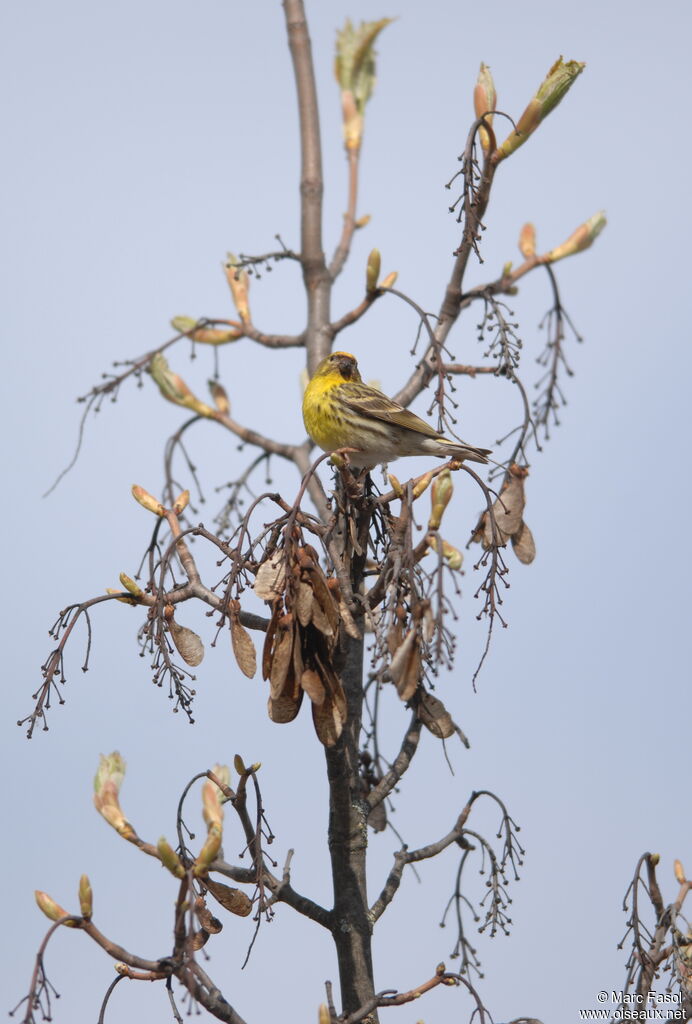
pixel 468 452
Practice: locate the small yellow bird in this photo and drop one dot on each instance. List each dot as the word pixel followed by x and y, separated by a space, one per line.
pixel 340 411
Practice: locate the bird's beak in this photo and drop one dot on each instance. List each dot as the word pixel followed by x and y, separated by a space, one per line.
pixel 346 368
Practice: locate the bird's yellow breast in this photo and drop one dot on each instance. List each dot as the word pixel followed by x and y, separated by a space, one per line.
pixel 322 421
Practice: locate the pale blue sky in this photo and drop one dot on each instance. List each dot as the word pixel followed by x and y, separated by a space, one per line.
pixel 144 141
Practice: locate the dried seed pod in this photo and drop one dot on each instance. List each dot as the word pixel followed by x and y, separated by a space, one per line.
pixel 348 622
pixel 377 818
pixel 320 620
pixel 434 716
pixel 199 939
pixel 281 656
pixel 303 605
pixel 405 668
pixel 508 510
pixel 313 686
pixel 328 722
pixel 231 899
pixel 271 577
pixel 324 597
pixel 284 709
pixel 524 545
pixel 269 642
pixel 333 687
pixel 243 646
pixel 189 646
pixel 206 918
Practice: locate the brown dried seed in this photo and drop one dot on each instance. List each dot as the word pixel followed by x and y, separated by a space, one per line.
pixel 320 620
pixel 284 709
pixel 333 687
pixel 206 918
pixel 199 939
pixel 313 686
pixel 435 717
pixel 405 667
pixel 327 721
pixel 324 596
pixel 508 510
pixel 243 648
pixel 524 544
pixel 304 603
pixel 271 577
pixel 268 647
pixel 281 660
pixel 348 622
pixel 189 646
pixel 230 899
pixel 377 818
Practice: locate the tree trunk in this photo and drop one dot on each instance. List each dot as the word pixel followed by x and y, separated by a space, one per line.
pixel 348 831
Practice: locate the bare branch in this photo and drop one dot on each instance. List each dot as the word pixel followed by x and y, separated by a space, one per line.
pixel 344 247
pixel 315 274
pixel 409 745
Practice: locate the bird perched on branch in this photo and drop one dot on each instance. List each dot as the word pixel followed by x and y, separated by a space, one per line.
pixel 340 411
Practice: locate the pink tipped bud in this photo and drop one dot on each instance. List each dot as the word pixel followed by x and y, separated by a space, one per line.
pixel 219 396
pixel 50 908
pixel 395 484
pixel 440 496
pixel 169 858
pixel 107 782
pixel 423 484
pixel 86 897
pixel 212 797
pixel 484 102
pixel 147 501
pixel 183 324
pixel 527 241
pixel 579 240
pixel 389 281
pixel 372 271
pixel 551 91
pixel 130 585
pixel 206 335
pixel 173 387
pixel 354 69
pixel 207 855
pixel 239 283
pixel 181 502
pixel 452 556
pixel 216 335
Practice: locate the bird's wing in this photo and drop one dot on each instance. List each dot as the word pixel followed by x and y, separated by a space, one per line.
pixel 368 401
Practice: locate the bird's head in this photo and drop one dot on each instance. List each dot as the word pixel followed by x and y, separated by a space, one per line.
pixel 339 364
